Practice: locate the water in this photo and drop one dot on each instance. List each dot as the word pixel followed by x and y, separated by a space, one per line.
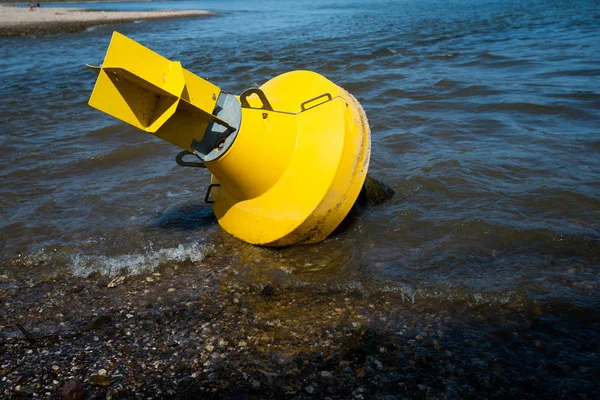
pixel 485 119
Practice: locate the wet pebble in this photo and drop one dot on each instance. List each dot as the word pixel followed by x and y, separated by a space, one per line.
pixel 97 323
pixel 326 374
pixel 99 380
pixel 116 282
pixel 72 390
pixel 268 290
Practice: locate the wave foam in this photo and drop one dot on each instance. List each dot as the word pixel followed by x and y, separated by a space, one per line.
pixel 135 264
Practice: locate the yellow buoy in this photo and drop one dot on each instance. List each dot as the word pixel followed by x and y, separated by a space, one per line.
pixel 288 159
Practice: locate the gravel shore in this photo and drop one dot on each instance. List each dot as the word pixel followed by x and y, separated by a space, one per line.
pixel 19 21
pixel 208 330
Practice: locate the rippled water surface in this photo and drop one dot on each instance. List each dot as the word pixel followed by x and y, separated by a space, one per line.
pixel 485 119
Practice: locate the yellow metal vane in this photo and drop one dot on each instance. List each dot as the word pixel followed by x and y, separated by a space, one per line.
pixel 288 159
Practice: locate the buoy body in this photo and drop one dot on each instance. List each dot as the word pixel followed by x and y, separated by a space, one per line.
pixel 288 159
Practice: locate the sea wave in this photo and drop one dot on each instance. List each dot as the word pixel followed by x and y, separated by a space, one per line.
pixel 135 264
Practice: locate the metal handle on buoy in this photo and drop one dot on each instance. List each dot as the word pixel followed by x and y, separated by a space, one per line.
pixel 208 191
pixel 303 105
pixel 179 160
pixel 248 92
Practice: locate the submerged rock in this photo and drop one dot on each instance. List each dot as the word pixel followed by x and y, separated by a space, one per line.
pixel 375 192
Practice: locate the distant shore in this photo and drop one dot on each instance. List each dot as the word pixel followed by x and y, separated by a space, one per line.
pixel 19 21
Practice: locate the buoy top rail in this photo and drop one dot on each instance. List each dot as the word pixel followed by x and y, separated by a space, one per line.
pixel 288 159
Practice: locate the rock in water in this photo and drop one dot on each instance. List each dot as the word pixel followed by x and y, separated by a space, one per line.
pixel 376 192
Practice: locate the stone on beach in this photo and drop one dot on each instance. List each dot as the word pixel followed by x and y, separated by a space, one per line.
pixel 72 390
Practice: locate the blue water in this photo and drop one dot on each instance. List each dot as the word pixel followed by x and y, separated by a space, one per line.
pixel 485 119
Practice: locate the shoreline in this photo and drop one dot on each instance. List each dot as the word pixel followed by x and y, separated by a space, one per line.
pixel 19 21
pixel 212 330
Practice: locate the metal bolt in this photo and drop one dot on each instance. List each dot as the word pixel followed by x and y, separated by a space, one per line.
pixel 214 96
pixel 265 115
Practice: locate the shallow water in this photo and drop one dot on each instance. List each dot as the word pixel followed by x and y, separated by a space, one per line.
pixel 485 119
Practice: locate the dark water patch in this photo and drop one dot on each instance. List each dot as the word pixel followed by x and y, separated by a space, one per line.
pixel 487 63
pixel 447 84
pixel 489 56
pixel 263 71
pixel 591 98
pixel 475 91
pixel 385 52
pixel 537 109
pixel 357 68
pixel 120 156
pixel 574 73
pixel 445 56
pixel 360 86
pixel 21 173
pixel 186 217
pixel 113 130
pixel 594 145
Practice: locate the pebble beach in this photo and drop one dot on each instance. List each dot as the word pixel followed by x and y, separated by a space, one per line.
pixel 21 21
pixel 224 334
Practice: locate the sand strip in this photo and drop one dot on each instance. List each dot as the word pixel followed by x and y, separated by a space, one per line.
pixel 18 21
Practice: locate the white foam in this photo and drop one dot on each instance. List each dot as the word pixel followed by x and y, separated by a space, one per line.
pixel 134 264
pixel 92 28
pixel 184 192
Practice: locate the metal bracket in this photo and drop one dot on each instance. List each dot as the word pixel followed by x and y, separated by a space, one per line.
pixel 303 105
pixel 208 191
pixel 261 95
pixel 179 160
